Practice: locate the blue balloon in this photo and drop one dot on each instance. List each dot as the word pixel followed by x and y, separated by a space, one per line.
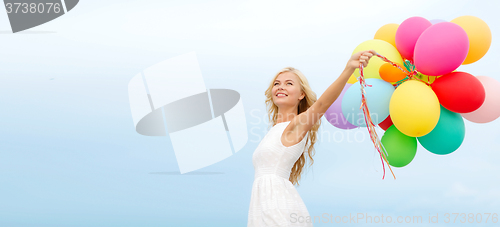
pixel 378 97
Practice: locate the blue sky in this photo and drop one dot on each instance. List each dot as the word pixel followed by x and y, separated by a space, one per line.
pixel 69 154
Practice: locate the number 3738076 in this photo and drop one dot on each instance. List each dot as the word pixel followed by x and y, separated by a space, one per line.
pixel 33 7
pixel 471 218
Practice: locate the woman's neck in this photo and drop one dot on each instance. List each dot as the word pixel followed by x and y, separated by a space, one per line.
pixel 285 115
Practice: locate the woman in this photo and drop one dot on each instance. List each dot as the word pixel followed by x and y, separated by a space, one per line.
pixel 278 160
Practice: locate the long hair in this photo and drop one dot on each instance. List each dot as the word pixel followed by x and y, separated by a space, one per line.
pixel 304 104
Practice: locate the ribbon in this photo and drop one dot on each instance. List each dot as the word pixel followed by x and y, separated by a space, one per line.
pixel 411 73
pixel 369 123
pixel 409 70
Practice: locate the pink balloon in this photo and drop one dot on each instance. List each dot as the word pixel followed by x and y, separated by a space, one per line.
pixel 334 113
pixel 490 110
pixel 408 33
pixel 441 49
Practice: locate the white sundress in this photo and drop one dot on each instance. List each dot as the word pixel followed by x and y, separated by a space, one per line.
pixel 274 200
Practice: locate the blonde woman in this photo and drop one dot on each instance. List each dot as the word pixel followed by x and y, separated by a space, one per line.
pixel 278 160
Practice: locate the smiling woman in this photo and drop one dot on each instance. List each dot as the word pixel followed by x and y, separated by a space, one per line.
pixel 280 157
pixel 291 95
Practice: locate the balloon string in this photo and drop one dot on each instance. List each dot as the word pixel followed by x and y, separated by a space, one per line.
pixel 411 74
pixel 369 123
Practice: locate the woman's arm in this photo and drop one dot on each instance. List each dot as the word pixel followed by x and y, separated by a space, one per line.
pixel 304 121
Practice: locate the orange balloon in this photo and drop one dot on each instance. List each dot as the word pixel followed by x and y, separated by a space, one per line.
pixel 479 35
pixel 387 33
pixel 391 73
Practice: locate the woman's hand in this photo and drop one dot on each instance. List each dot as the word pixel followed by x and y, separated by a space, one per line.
pixel 360 57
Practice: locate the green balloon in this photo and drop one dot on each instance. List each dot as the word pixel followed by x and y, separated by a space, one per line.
pixel 400 148
pixel 448 134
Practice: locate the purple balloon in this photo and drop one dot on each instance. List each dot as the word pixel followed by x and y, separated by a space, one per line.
pixel 334 113
pixel 435 21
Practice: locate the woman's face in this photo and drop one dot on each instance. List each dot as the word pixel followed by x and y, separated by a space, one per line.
pixel 287 90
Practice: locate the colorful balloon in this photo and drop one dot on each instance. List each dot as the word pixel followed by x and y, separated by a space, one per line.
pixel 391 73
pixel 441 49
pixel 377 96
pixel 459 92
pixel 352 79
pixel 386 123
pixel 428 79
pixel 414 108
pixel 408 33
pixel 400 148
pixel 334 113
pixel 448 134
pixel 479 35
pixel 490 110
pixel 387 33
pixel 382 47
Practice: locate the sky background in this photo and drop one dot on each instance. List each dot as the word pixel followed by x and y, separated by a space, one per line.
pixel 70 156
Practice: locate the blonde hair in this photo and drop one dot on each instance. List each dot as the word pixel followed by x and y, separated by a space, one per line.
pixel 308 100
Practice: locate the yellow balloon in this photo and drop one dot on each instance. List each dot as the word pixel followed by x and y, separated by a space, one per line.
pixel 414 108
pixel 383 48
pixel 387 33
pixel 479 37
pixel 352 79
pixel 428 79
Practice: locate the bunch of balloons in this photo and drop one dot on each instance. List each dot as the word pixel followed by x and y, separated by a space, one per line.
pixel 416 93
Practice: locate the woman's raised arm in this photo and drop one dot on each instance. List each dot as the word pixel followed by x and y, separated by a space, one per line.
pixel 304 121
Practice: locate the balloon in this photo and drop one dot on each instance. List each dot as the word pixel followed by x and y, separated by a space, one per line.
pixel 459 92
pixel 352 79
pixel 479 35
pixel 408 33
pixel 400 148
pixel 386 123
pixel 435 21
pixel 441 49
pixel 490 110
pixel 382 47
pixel 334 113
pixel 428 79
pixel 391 73
pixel 387 33
pixel 377 98
pixel 414 108
pixel 448 134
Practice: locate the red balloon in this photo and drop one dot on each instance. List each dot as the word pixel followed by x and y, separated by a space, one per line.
pixel 386 123
pixel 459 92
